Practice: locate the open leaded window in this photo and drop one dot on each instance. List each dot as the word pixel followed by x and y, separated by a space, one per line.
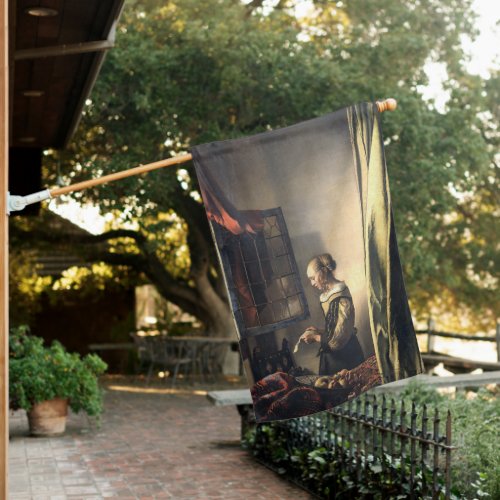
pixel 262 276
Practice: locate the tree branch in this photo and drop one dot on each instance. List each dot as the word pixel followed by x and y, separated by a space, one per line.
pixel 136 261
pixel 118 233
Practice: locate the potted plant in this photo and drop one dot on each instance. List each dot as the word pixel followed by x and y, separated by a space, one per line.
pixel 45 380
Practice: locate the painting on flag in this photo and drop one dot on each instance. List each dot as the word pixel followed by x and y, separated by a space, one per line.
pixel 302 222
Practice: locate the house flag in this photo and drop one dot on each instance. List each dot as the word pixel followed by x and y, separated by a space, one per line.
pixel 303 226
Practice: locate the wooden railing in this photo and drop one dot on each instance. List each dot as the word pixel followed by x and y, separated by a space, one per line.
pixel 432 333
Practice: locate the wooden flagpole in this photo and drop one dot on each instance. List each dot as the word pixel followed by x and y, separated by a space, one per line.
pixel 121 175
pixel 386 105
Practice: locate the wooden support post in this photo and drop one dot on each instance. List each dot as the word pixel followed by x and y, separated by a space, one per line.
pixel 4 247
pixel 431 326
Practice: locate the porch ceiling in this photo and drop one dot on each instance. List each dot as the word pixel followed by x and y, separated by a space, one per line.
pixel 54 61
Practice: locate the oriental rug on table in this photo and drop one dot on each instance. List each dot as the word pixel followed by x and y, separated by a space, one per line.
pixel 303 226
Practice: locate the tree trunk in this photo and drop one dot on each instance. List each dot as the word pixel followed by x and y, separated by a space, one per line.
pixel 221 319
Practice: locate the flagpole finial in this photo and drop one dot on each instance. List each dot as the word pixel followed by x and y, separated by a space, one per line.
pixel 387 105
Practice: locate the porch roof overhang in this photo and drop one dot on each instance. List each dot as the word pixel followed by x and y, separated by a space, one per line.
pixel 57 48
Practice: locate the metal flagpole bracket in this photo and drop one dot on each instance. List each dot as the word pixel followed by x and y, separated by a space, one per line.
pixel 16 203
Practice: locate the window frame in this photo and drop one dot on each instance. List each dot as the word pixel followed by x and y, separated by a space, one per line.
pixel 243 330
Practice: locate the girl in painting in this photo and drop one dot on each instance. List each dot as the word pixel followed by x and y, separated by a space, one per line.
pixel 340 348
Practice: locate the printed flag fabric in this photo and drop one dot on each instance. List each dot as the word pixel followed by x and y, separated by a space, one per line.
pixel 303 226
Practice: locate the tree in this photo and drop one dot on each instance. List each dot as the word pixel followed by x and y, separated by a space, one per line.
pixel 188 72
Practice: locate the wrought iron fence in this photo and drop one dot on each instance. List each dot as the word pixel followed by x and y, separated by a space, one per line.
pixel 375 439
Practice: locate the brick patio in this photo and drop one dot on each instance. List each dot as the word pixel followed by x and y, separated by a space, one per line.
pixel 158 444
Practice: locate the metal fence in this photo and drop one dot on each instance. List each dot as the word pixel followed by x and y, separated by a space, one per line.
pixel 407 447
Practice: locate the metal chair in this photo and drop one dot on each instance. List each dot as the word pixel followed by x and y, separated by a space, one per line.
pixel 213 359
pixel 174 356
pixel 157 351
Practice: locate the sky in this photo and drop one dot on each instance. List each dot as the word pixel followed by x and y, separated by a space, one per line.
pixel 483 52
pixel 486 48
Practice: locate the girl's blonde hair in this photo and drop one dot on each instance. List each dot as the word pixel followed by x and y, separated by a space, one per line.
pixel 324 265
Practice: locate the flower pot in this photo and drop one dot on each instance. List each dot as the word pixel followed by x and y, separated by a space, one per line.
pixel 48 418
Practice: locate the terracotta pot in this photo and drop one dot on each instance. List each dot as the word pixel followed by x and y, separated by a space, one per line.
pixel 48 417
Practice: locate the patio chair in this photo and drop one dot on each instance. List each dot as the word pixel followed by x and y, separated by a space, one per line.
pixel 213 359
pixel 157 351
pixel 174 356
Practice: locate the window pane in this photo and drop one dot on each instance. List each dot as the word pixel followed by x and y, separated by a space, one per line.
pixel 295 305
pixel 280 310
pixel 281 266
pixel 244 296
pixel 259 294
pixel 271 227
pixel 248 249
pixel 254 273
pixel 274 291
pixel 250 317
pixel 277 246
pixel 267 269
pixel 262 250
pixel 266 316
pixel 289 286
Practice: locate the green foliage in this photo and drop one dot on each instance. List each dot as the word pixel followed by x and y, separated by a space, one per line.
pixel 189 72
pixel 25 286
pixel 38 373
pixel 475 434
pixel 29 291
pixel 421 395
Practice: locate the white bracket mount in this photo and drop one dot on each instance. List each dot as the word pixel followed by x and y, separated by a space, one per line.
pixel 16 203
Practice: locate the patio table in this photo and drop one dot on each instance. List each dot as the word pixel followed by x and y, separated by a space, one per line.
pixel 202 351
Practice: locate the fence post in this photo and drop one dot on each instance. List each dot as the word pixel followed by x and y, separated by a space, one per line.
pixel 448 456
pixel 431 326
pixel 435 468
pixel 423 449
pixel 375 448
pixel 392 434
pixel 498 341
pixel 383 431
pixel 413 447
pixel 402 440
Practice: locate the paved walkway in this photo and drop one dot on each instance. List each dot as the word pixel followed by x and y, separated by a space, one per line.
pixel 150 445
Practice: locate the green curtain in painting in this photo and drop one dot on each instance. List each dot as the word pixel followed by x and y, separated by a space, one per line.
pixel 394 338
